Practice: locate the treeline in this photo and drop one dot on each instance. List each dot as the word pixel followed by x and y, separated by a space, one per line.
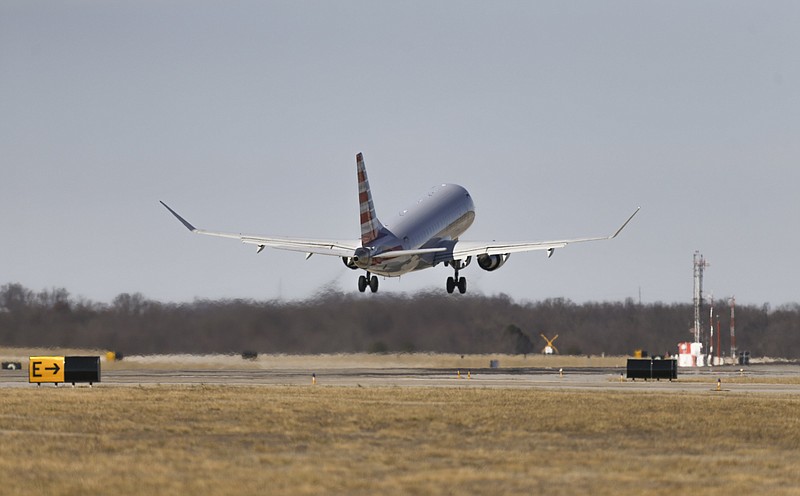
pixel 333 322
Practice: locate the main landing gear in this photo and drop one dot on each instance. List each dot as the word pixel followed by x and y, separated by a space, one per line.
pixel 455 281
pixel 368 280
pixel 459 282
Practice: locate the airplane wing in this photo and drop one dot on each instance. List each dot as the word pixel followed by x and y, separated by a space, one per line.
pixel 464 249
pixel 337 248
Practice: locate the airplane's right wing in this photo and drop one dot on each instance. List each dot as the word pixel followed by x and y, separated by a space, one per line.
pixel 337 248
pixel 464 249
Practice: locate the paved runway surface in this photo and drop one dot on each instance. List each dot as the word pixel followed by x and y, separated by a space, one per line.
pixel 754 379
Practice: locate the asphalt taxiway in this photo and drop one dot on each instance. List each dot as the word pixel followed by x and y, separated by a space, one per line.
pixel 775 379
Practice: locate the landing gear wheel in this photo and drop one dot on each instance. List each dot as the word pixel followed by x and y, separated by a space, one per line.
pixel 373 284
pixel 455 281
pixel 362 283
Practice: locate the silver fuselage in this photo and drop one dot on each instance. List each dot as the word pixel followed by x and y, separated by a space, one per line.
pixel 436 220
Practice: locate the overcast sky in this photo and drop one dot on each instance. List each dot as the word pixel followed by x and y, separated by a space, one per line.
pixel 559 117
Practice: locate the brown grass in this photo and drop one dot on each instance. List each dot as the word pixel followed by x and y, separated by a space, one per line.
pixel 338 440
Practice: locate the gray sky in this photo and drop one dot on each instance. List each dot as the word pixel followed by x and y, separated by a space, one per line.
pixel 559 117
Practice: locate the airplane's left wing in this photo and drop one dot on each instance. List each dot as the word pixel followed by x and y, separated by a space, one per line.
pixel 337 248
pixel 464 249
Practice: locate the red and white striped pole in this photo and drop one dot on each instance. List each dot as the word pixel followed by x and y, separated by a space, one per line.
pixel 733 328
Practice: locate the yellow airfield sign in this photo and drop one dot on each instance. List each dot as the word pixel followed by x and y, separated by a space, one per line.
pixel 46 369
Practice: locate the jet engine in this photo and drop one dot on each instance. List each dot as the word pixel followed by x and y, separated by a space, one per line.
pixel 361 258
pixel 492 262
pixel 348 261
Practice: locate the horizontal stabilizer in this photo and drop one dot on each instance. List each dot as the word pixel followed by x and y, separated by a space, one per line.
pixel 408 253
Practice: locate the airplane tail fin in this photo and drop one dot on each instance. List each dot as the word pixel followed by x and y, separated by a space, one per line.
pixel 370 225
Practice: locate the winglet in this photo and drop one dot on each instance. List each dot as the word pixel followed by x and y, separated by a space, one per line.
pixel 183 221
pixel 623 225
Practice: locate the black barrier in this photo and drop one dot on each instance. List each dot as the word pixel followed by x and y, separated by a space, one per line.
pixel 744 358
pixel 82 369
pixel 646 368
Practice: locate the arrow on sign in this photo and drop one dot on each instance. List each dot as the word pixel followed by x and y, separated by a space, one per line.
pixel 55 368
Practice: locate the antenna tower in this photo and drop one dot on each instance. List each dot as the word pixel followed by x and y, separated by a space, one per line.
pixel 699 266
pixel 733 328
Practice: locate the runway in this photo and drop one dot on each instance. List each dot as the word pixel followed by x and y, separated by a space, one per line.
pixel 775 379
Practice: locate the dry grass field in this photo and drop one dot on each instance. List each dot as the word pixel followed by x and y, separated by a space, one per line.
pixel 352 440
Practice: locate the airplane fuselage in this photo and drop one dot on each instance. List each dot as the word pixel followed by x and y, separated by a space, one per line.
pixel 436 220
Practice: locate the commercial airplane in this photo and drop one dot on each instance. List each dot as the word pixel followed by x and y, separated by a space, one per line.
pixel 424 235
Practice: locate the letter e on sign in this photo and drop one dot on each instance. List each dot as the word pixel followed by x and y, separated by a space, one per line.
pixel 46 369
